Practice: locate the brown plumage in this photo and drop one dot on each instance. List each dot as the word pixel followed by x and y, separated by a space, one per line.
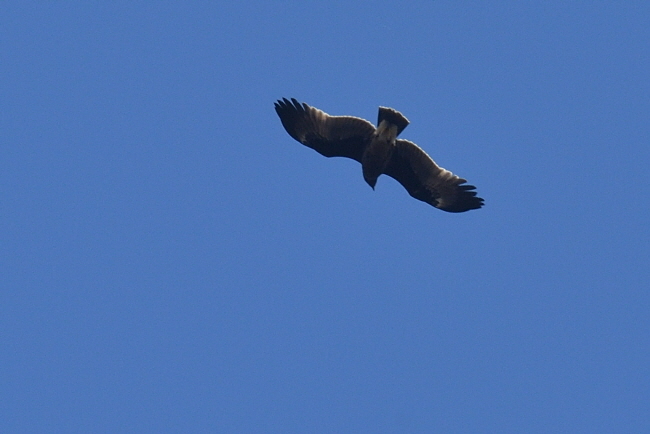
pixel 379 151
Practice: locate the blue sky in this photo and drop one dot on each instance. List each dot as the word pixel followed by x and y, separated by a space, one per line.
pixel 172 261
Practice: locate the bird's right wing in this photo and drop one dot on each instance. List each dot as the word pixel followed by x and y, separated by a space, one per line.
pixel 331 136
pixel 428 182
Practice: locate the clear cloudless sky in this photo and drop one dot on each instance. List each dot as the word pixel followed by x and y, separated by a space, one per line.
pixel 172 261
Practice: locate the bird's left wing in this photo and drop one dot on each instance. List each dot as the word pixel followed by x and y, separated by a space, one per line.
pixel 428 182
pixel 331 136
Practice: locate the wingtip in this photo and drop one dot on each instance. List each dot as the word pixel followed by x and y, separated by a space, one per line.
pixel 465 200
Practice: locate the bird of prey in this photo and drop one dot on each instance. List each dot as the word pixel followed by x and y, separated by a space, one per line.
pixel 379 151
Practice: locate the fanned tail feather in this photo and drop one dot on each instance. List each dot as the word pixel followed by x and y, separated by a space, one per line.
pixel 394 117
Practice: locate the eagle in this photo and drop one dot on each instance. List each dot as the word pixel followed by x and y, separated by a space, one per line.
pixel 379 151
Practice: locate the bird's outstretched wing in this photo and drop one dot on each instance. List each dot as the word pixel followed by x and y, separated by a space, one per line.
pixel 428 182
pixel 331 136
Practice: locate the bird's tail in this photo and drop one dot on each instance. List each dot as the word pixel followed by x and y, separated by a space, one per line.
pixel 393 117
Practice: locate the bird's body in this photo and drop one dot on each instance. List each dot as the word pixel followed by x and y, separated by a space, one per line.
pixel 379 151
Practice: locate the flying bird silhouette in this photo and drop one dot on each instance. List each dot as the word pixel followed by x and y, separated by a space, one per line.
pixel 379 151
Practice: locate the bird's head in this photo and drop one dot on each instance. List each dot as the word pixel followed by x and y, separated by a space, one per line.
pixel 371 181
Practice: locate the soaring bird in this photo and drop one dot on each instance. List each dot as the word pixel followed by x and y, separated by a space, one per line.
pixel 379 151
